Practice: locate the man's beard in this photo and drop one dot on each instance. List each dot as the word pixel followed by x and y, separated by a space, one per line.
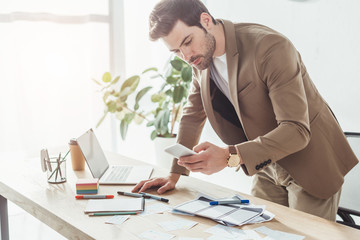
pixel 210 45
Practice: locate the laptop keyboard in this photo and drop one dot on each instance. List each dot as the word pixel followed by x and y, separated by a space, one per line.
pixel 119 173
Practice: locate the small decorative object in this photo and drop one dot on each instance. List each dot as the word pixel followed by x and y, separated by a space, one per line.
pixel 55 167
pixel 87 186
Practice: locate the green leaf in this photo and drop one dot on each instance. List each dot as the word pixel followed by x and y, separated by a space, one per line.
pixel 131 82
pixel 111 106
pixel 169 92
pixel 178 94
pixel 171 80
pixel 129 117
pixel 177 64
pixel 158 97
pixel 150 123
pixel 164 122
pixel 153 135
pixel 125 92
pixel 186 74
pixel 141 93
pixel 101 119
pixel 106 77
pixel 158 119
pixel 96 81
pixel 150 69
pixel 123 129
pixel 156 76
pixel 106 95
pixel 115 80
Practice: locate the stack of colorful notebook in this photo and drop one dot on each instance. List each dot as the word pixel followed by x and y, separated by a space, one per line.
pixel 87 186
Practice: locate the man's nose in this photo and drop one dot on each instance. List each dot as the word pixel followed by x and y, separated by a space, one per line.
pixel 185 54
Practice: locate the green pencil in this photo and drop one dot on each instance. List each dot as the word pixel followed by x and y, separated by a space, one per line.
pixel 112 213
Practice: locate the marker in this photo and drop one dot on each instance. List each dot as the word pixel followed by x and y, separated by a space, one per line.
pixel 154 197
pixel 229 202
pixel 112 213
pixel 131 194
pixel 94 196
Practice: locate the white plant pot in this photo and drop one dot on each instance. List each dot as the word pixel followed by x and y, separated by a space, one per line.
pixel 163 159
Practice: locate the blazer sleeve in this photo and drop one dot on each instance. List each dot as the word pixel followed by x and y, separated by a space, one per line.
pixel 192 121
pixel 279 67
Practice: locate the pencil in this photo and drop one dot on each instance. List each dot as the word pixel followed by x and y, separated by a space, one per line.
pixel 112 213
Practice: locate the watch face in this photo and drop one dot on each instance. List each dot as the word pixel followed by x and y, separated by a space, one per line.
pixel 234 161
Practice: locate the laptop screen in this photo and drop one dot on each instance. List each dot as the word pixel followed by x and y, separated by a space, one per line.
pixel 93 153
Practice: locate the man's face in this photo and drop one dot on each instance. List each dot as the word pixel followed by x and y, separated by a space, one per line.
pixel 192 44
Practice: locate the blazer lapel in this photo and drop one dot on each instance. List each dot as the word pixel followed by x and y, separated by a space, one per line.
pixel 206 98
pixel 232 59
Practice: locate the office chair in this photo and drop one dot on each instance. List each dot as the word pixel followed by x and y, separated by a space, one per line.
pixel 350 194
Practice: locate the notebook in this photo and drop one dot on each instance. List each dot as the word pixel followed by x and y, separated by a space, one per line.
pixel 100 168
pixel 115 205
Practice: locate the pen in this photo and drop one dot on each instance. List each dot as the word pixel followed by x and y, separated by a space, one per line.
pixel 154 197
pixel 130 194
pixel 229 202
pixel 58 162
pixel 112 213
pixel 93 196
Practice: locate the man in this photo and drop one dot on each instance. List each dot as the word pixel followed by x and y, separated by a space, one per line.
pixel 251 84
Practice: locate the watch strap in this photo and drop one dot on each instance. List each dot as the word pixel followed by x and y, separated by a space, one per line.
pixel 232 150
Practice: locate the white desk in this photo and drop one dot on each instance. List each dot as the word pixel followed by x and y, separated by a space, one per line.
pixel 23 183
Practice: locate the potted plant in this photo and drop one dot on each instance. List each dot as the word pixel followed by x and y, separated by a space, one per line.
pixel 168 100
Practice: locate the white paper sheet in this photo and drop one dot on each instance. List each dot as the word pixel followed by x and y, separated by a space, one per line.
pixel 155 208
pixel 187 238
pixel 190 238
pixel 225 232
pixel 193 206
pixel 117 219
pixel 177 224
pixel 155 235
pixel 239 217
pixel 278 235
pixel 215 211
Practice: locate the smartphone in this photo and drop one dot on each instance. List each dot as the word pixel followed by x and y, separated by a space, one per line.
pixel 178 150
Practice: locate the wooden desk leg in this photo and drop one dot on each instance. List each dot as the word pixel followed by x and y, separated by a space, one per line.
pixel 4 219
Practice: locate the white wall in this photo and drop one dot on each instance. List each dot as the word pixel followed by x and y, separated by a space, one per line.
pixel 326 34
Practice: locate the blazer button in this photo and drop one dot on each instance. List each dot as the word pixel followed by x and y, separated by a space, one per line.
pixel 257 167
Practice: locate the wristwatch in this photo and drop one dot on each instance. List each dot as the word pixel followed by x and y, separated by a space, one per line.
pixel 233 159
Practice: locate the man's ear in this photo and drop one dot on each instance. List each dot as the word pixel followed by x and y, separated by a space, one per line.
pixel 206 21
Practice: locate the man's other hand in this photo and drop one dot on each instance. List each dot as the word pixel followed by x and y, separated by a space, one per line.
pixel 164 184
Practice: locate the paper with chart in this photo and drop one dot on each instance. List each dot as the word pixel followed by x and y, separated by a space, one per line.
pixel 230 214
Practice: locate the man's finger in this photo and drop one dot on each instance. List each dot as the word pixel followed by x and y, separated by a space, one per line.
pixel 165 188
pixel 201 147
pixel 139 185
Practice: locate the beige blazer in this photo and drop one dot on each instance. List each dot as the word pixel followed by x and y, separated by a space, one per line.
pixel 283 117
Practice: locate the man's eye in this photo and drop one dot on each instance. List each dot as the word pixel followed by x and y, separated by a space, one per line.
pixel 188 42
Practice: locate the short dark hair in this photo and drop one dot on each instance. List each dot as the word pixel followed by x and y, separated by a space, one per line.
pixel 167 12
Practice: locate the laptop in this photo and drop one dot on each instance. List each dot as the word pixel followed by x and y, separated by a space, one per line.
pixel 100 168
